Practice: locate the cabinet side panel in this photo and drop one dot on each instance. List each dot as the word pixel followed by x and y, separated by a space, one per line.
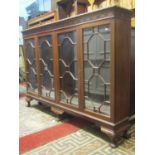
pixel 122 68
pixel 132 76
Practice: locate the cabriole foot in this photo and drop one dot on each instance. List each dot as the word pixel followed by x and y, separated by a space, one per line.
pixel 28 100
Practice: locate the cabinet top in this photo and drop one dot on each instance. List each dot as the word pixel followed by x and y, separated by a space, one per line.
pixel 106 13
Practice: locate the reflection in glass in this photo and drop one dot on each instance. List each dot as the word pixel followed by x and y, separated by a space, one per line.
pixel 31 71
pixel 96 69
pixel 68 68
pixel 46 63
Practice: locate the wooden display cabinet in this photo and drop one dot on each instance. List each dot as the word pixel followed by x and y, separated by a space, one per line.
pixel 81 66
pixel 46 18
pixel 69 8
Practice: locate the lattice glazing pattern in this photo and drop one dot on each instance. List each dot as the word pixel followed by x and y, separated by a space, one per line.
pixel 68 68
pixel 46 64
pixel 31 70
pixel 96 41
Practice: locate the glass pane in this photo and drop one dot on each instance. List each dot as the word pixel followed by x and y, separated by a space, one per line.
pixel 31 70
pixel 68 68
pixel 46 63
pixel 96 69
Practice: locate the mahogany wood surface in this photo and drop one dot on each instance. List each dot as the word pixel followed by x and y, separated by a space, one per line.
pixel 118 19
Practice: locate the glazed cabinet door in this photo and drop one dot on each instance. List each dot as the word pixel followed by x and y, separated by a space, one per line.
pixel 46 67
pixel 68 79
pixel 30 55
pixel 96 50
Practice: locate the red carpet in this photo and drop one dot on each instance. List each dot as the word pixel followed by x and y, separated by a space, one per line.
pixel 22 89
pixel 22 95
pixel 28 142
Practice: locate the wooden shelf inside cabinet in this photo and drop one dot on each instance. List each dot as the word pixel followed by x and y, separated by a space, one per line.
pixel 49 17
pixel 69 8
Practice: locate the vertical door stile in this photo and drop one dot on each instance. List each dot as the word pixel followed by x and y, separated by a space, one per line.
pixel 80 68
pixel 112 72
pixel 26 67
pixel 37 62
pixel 56 65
